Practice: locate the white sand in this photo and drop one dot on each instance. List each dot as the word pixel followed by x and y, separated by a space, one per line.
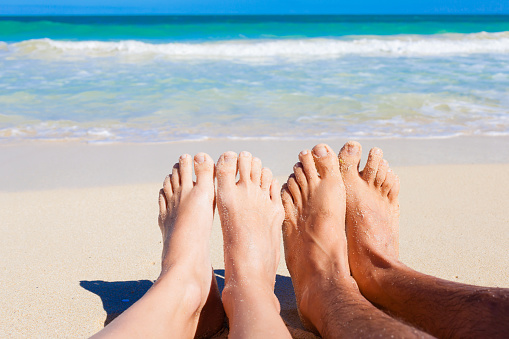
pixel 79 224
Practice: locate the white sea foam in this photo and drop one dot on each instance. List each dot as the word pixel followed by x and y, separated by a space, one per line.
pixel 396 127
pixel 401 45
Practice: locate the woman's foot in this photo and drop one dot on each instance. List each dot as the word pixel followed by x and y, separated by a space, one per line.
pixel 372 215
pixel 186 212
pixel 251 215
pixel 184 301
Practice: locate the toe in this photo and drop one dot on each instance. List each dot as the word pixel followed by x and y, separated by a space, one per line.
pixel 381 173
pixel 286 196
pixel 256 171
pixel 167 190
pixel 325 161
pixel 204 169
pixel 308 164
pixel 175 177
pixel 288 205
pixel 371 168
pixel 394 192
pixel 186 171
pixel 294 189
pixel 266 178
pixel 300 177
pixel 163 205
pixel 390 179
pixel 275 192
pixel 226 169
pixel 245 160
pixel 349 159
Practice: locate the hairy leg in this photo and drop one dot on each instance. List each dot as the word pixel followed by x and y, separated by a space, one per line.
pixel 251 215
pixel 443 308
pixel 328 298
pixel 184 302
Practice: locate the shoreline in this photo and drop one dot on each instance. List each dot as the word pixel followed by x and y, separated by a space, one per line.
pixel 43 166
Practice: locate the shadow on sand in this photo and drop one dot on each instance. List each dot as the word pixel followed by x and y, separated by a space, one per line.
pixel 118 296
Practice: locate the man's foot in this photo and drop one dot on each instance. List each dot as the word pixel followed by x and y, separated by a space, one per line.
pixel 372 216
pixel 186 211
pixel 314 230
pixel 443 308
pixel 328 298
pixel 251 215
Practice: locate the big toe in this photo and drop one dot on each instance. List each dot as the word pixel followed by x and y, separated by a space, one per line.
pixel 349 159
pixel 226 169
pixel 325 161
pixel 204 169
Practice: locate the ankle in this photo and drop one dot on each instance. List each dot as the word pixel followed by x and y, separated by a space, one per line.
pixel 316 299
pixel 374 283
pixel 194 289
pixel 237 295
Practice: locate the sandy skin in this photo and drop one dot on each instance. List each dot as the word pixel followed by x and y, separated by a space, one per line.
pixel 328 298
pixel 372 212
pixel 184 301
pixel 442 308
pixel 251 215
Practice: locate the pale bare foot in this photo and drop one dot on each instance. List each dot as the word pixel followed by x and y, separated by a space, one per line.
pixel 372 215
pixel 328 298
pixel 186 212
pixel 251 215
pixel 184 301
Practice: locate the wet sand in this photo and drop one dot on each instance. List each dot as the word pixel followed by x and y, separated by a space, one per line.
pixel 80 242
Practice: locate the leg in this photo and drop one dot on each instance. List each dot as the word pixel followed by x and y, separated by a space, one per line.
pixel 185 296
pixel 328 298
pixel 440 307
pixel 251 215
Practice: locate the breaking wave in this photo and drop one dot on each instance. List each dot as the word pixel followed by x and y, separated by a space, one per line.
pixel 311 48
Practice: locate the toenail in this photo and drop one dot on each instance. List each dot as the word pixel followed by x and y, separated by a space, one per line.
pixel 377 151
pixel 199 158
pixel 229 156
pixel 184 156
pixel 304 152
pixel 245 154
pixel 320 151
pixel 352 149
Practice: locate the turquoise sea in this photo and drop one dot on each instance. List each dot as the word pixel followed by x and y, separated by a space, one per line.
pixel 170 78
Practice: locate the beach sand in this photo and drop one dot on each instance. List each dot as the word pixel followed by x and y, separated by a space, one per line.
pixel 80 242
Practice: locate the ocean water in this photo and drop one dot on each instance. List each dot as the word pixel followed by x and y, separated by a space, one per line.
pixel 171 78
